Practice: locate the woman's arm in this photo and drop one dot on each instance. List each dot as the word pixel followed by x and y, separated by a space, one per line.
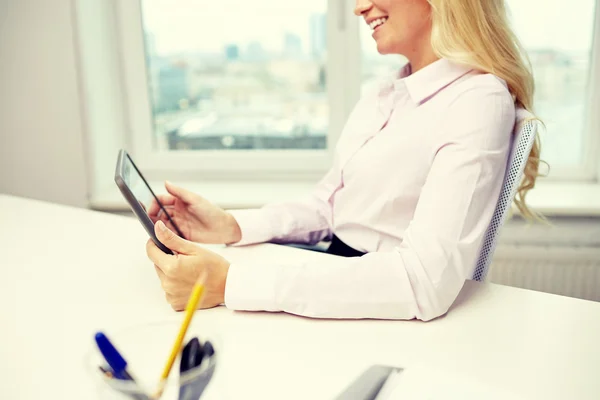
pixel 307 220
pixel 422 277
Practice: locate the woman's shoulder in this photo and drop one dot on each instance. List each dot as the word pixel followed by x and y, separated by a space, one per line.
pixel 478 109
pixel 480 86
pixel 482 97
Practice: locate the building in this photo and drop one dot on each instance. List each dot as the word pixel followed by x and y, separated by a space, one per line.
pixel 232 52
pixel 318 35
pixel 172 87
pixel 255 52
pixel 292 46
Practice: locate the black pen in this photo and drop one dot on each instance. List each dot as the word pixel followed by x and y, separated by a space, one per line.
pixel 191 356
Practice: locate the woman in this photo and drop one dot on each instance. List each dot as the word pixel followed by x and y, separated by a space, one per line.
pixel 416 177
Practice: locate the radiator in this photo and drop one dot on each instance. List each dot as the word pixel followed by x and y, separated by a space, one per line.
pixel 564 270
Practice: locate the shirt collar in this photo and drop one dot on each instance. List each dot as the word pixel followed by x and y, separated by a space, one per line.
pixel 429 80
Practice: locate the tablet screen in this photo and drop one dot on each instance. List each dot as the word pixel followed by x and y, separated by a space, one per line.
pixel 137 185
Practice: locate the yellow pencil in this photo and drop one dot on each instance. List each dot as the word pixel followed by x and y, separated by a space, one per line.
pixel 192 305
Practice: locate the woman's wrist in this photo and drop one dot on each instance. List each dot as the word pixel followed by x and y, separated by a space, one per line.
pixel 235 232
pixel 224 284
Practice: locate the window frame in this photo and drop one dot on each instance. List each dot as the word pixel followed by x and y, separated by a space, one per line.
pixel 589 169
pixel 592 130
pixel 228 164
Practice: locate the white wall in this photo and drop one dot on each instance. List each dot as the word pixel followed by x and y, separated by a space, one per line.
pixel 41 140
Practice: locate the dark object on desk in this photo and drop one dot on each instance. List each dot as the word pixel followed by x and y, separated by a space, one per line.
pixel 191 387
pixel 191 356
pixel 209 351
pixel 113 358
pixel 117 366
pixel 108 373
pixel 368 384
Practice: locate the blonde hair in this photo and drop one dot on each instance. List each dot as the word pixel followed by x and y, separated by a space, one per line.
pixel 477 33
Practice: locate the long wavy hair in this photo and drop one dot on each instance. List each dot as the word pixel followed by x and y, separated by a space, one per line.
pixel 477 33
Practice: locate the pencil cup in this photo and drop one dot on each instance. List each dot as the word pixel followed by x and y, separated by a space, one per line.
pixel 146 348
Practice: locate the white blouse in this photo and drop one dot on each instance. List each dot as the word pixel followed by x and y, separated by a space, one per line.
pixel 416 176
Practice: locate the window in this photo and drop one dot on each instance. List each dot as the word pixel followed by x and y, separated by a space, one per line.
pixel 197 93
pixel 259 93
pixel 558 37
pixel 250 79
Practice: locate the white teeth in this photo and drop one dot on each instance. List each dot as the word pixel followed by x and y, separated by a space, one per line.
pixel 377 22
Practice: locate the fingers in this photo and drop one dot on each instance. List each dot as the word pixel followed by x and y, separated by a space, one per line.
pixel 143 206
pixel 170 284
pixel 179 274
pixel 172 241
pixel 184 195
pixel 176 302
pixel 174 294
pixel 164 217
pixel 165 262
pixel 165 199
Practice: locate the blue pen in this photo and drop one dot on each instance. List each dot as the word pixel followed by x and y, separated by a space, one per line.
pixel 114 359
pixel 117 366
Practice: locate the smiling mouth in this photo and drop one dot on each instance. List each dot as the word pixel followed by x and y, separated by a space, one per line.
pixel 377 23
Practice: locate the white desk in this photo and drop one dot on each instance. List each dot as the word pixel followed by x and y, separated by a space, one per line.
pixel 68 272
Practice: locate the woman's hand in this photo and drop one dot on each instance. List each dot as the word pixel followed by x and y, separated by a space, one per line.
pixel 198 219
pixel 178 273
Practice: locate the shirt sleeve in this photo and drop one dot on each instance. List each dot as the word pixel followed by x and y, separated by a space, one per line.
pixel 308 220
pixel 423 276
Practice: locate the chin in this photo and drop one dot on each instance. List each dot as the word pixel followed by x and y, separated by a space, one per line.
pixel 390 45
pixel 383 49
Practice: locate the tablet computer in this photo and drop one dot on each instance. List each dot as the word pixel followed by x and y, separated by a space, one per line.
pixel 139 195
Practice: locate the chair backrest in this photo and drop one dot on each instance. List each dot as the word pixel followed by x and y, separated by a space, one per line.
pixel 520 149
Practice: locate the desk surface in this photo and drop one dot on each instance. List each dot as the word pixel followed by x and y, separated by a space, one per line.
pixel 68 272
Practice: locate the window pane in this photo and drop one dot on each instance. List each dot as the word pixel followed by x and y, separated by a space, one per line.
pixel 232 74
pixel 558 39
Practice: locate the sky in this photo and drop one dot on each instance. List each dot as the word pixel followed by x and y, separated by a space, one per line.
pixel 208 25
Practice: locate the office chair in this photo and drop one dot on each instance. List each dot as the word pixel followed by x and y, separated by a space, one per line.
pixel 521 147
